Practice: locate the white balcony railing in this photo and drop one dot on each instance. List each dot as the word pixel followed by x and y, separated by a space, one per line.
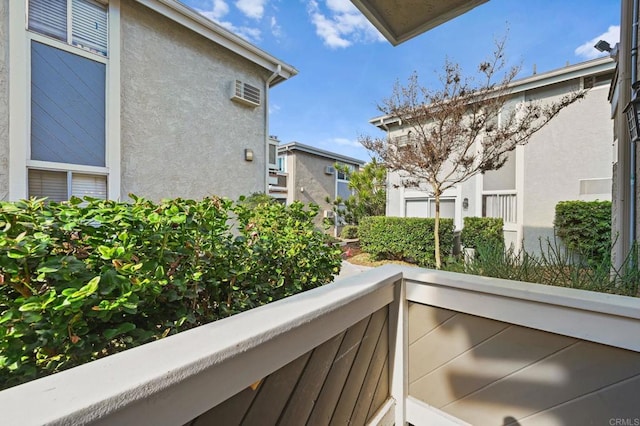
pixel 392 344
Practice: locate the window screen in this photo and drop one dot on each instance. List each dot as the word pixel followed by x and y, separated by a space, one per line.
pixel 89 29
pixel 89 26
pixel 47 184
pixel 49 17
pixel 61 185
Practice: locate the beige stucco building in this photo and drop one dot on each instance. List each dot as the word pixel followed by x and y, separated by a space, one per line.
pixel 308 174
pixel 569 159
pixel 149 97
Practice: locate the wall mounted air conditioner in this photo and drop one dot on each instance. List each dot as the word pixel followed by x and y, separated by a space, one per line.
pixel 329 214
pixel 245 94
pixel 329 170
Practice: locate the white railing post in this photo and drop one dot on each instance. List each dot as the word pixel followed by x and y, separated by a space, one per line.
pixel 398 352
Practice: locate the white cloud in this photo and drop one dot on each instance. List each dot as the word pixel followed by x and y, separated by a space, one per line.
pixel 251 8
pixel 274 109
pixel 341 24
pixel 276 29
pixel 254 35
pixel 218 10
pixel 587 51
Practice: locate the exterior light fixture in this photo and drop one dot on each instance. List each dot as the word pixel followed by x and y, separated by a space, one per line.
pixel 603 46
pixel 465 203
pixel 248 154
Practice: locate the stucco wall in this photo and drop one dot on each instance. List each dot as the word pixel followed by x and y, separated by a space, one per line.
pixel 310 175
pixel 559 156
pixel 4 99
pixel 181 134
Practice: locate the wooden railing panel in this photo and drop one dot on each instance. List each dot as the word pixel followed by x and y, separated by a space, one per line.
pixel 274 392
pixel 429 352
pixel 358 373
pixel 498 371
pixel 335 383
pixel 382 390
pixel 366 404
pixel 308 388
pixel 428 321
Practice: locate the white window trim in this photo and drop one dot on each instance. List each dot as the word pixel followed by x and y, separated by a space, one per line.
pixel 431 200
pixel 508 226
pixel 69 35
pixel 69 178
pixel 20 96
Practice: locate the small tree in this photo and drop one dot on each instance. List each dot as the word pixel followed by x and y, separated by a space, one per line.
pixel 369 198
pixel 465 128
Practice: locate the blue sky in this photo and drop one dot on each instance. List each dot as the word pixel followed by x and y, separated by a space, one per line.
pixel 346 67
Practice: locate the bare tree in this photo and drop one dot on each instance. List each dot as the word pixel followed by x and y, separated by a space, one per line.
pixel 465 128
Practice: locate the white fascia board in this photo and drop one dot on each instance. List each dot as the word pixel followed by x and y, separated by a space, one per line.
pixel 297 146
pixel 194 21
pixel 583 69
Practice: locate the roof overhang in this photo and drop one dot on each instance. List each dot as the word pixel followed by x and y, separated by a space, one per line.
pixel 593 67
pixel 297 146
pixel 400 20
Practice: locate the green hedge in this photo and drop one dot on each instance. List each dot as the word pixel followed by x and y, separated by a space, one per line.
pixel 483 230
pixel 80 281
pixel 405 238
pixel 585 228
pixel 349 232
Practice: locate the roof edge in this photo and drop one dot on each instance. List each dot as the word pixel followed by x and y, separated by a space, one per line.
pixel 557 75
pixel 196 22
pixel 297 146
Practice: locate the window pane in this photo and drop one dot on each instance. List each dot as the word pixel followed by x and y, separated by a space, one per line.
pixel 89 186
pixel 67 107
pixel 501 206
pixel 343 190
pixel 52 185
pixel 89 25
pixel 49 17
pixel 272 153
pixel 416 208
pixel 447 208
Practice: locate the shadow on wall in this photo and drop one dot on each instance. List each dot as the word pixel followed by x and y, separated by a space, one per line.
pixel 535 238
pixel 488 372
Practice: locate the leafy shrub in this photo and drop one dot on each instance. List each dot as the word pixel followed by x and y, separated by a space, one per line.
pixel 349 232
pixel 404 238
pixel 585 228
pixel 80 281
pixel 478 230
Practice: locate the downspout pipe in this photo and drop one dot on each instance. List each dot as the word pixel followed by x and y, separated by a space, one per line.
pixel 267 84
pixel 632 156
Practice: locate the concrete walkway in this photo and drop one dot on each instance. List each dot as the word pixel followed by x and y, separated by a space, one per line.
pixel 349 269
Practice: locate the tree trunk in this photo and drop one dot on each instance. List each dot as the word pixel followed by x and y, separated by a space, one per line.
pixel 436 229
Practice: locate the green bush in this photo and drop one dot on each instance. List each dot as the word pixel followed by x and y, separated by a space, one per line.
pixel 405 238
pixel 585 228
pixel 349 232
pixel 478 230
pixel 79 281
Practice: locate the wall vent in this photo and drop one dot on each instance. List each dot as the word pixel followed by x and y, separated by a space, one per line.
pixel 246 94
pixel 329 170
